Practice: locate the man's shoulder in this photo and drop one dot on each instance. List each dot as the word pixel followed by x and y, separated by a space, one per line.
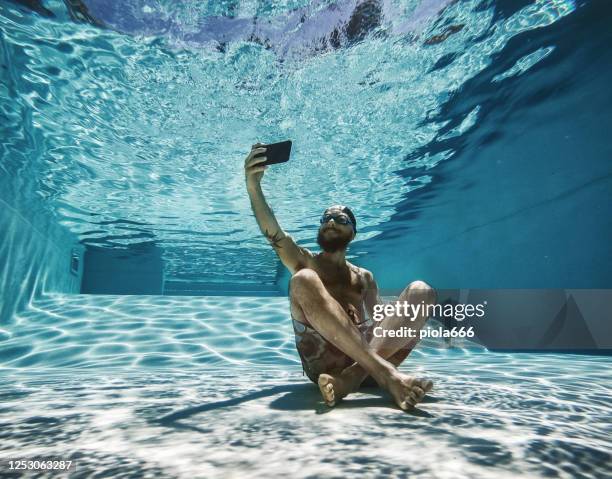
pixel 303 249
pixel 364 273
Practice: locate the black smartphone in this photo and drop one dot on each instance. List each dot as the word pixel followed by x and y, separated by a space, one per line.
pixel 275 152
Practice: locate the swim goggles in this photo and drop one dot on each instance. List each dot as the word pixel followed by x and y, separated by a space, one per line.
pixel 341 219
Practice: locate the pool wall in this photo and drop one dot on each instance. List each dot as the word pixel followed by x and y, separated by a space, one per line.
pixel 36 255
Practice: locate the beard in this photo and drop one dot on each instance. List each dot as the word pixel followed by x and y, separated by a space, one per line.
pixel 331 245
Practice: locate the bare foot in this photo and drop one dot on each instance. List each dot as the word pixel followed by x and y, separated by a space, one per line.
pixel 408 390
pixel 334 388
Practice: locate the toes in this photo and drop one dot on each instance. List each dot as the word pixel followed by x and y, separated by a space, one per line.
pixel 327 390
pixel 425 384
pixel 415 392
pixel 411 397
pixel 418 392
pixel 324 381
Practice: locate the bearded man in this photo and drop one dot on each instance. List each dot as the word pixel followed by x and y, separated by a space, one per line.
pixel 329 299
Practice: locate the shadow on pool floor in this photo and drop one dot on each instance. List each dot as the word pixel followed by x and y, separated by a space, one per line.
pixel 489 415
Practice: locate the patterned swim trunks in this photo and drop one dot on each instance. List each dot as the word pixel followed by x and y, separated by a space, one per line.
pixel 319 356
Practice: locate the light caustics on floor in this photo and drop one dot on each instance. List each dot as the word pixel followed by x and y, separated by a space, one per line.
pixel 93 331
pixel 214 387
pixel 489 415
pixel 149 331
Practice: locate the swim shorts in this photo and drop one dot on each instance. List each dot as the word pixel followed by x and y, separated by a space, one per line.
pixel 319 356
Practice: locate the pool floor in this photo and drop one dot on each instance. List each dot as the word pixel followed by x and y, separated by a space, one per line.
pixel 212 388
pixel 489 415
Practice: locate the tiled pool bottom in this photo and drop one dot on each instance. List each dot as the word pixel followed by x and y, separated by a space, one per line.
pixel 489 415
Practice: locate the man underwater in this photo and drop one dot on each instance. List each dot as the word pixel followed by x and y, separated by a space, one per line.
pixel 328 300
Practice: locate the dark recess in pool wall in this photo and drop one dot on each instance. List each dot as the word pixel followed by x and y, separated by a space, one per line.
pixel 137 269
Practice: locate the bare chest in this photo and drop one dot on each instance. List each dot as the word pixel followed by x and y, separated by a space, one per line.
pixel 344 284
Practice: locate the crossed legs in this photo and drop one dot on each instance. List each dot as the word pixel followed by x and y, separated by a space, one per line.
pixel 394 349
pixel 311 303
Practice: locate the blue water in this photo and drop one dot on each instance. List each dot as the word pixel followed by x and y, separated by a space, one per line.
pixel 136 133
pixel 444 125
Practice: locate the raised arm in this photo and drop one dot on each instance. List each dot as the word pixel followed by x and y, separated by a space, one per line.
pixel 294 257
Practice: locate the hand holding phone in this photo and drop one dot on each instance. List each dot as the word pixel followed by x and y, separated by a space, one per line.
pixel 276 153
pixel 253 168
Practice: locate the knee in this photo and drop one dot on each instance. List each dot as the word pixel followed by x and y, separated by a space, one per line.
pixel 418 284
pixel 424 290
pixel 303 279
